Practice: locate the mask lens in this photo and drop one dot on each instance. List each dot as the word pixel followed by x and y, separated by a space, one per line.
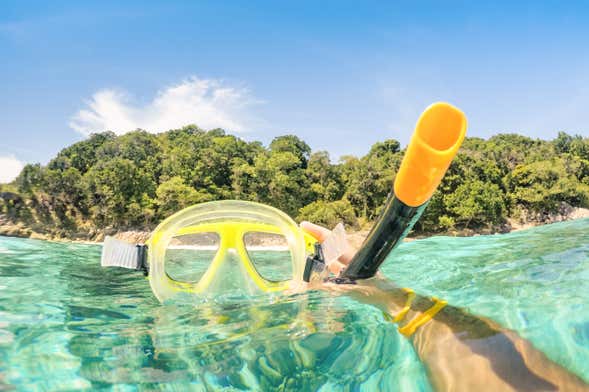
pixel 270 255
pixel 188 256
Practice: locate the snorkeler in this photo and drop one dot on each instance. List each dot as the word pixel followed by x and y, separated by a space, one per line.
pixel 462 352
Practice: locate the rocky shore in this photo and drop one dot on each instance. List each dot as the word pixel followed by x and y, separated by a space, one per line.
pixel 11 229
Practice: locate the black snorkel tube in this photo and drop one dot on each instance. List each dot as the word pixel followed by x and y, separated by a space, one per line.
pixel 438 135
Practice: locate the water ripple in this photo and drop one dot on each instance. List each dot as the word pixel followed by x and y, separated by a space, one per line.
pixel 67 324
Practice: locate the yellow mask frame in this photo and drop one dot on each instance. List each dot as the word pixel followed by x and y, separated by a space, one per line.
pixel 230 220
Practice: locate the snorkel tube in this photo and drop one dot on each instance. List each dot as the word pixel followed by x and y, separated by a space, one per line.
pixel 438 135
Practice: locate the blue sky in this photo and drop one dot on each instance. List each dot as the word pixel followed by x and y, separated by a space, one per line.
pixel 341 75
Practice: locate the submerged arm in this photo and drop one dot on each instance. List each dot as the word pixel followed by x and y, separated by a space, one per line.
pixel 461 352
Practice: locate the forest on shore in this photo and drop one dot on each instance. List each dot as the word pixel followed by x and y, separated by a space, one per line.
pixel 110 183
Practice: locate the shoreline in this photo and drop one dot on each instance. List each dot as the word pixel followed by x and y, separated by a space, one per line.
pixel 356 237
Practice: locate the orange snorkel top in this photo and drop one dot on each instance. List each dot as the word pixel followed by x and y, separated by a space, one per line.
pixel 439 133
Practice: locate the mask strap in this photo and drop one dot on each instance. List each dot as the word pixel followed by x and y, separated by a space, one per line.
pixel 116 253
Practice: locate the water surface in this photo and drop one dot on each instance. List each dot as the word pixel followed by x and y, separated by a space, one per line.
pixel 66 323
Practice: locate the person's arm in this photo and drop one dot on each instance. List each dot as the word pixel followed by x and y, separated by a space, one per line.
pixel 461 352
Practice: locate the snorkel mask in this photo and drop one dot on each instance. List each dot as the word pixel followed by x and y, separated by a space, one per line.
pixel 229 246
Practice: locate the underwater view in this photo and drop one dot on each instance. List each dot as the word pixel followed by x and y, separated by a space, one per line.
pixel 66 323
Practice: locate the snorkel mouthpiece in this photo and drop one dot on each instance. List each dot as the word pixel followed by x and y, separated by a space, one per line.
pixel 438 135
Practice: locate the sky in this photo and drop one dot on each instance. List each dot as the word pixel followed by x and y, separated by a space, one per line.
pixel 340 75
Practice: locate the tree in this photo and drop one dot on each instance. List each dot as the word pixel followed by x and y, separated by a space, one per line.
pixel 277 176
pixel 133 180
pixel 329 214
pixel 293 145
pixel 281 181
pixel 82 155
pixel 112 187
pixel 476 202
pixel 174 195
pixel 141 148
pixel 206 160
pixel 369 180
pixel 30 178
pixel 541 186
pixel 325 178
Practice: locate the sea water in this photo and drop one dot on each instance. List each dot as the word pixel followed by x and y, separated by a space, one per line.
pixel 68 324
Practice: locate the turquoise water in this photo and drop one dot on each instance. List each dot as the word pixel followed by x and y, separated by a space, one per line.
pixel 66 323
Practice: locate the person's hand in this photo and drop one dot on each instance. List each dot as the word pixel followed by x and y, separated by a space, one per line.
pixel 320 233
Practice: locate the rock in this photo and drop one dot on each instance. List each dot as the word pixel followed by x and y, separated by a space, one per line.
pixel 38 236
pixel 15 230
pixel 579 213
pixel 135 236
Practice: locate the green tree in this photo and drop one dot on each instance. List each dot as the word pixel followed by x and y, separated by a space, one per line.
pixel 325 178
pixel 174 195
pixel 118 191
pixel 30 178
pixel 476 202
pixel 329 214
pixel 82 155
pixel 136 179
pixel 206 160
pixel 278 176
pixel 541 186
pixel 369 180
pixel 141 148
pixel 292 144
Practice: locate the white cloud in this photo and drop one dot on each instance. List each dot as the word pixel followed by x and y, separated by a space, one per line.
pixel 208 103
pixel 10 167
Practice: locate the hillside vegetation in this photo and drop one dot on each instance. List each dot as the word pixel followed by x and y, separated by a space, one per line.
pixel 108 183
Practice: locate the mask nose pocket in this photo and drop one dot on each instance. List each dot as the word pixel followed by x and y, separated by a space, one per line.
pixel 232 279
